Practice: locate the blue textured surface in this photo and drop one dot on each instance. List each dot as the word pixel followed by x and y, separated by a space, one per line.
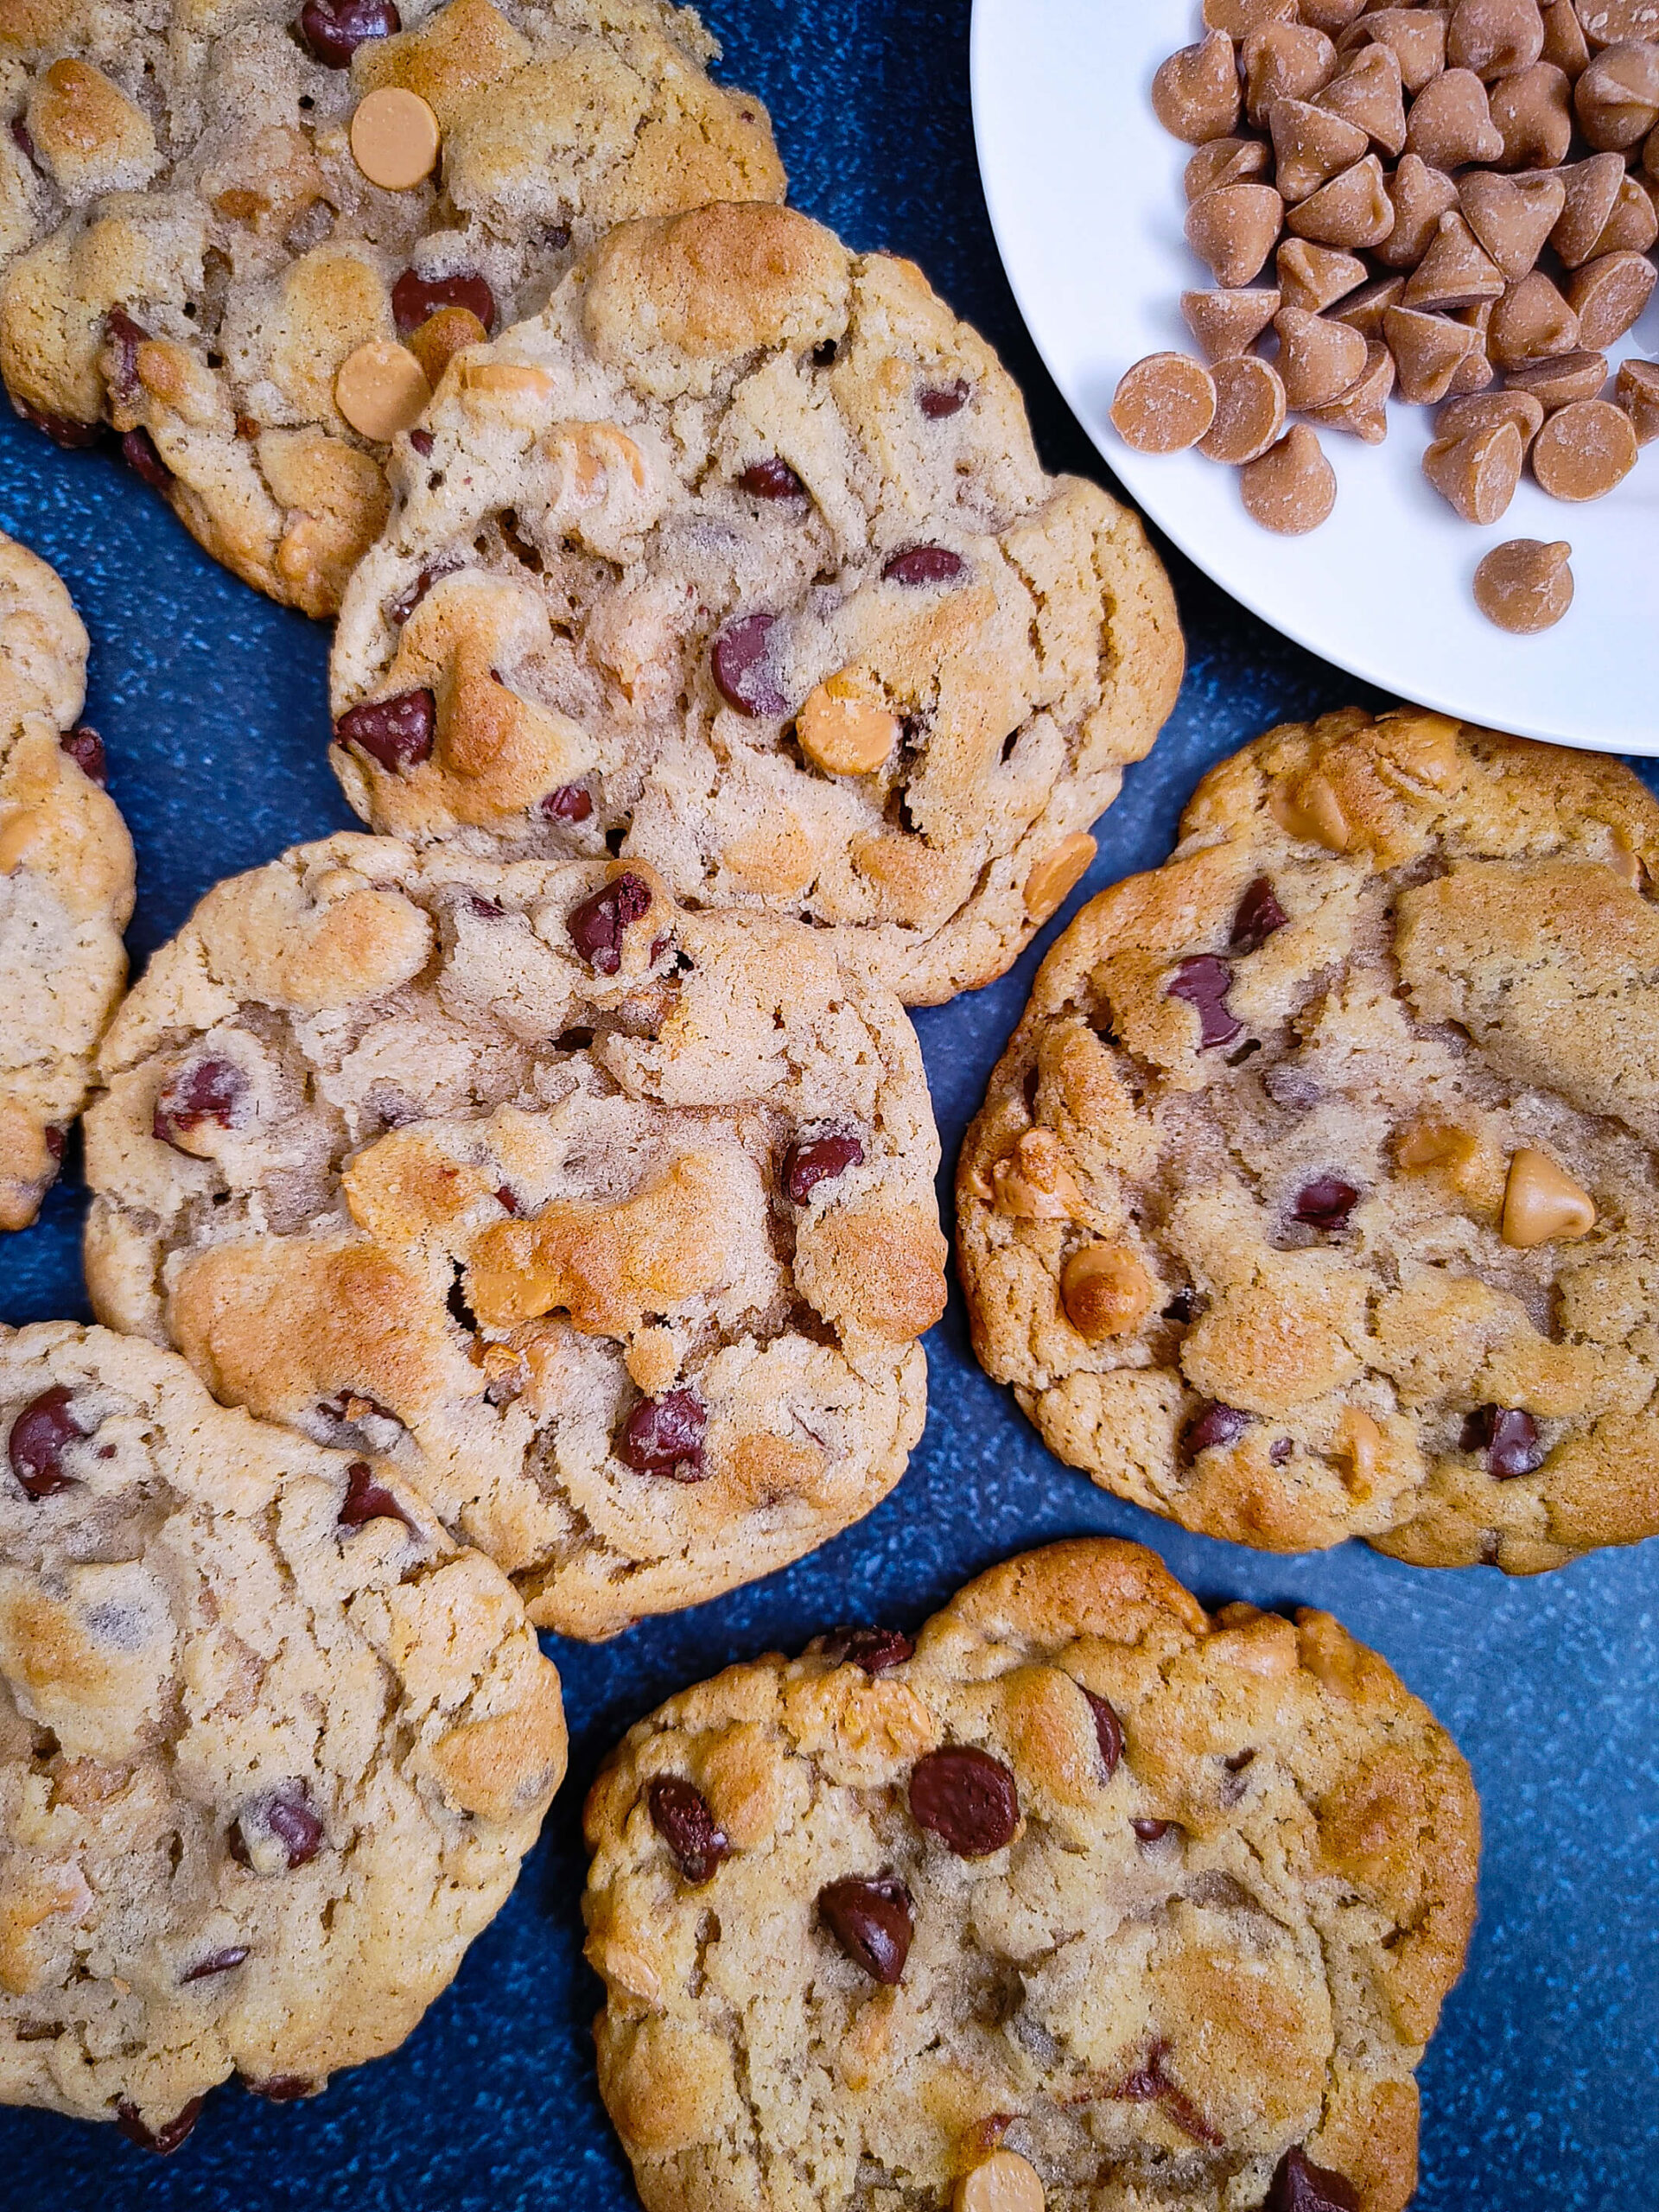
pixel 1542 2092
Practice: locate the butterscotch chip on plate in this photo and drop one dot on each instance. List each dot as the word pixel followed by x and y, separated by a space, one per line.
pixel 610 1225
pixel 1319 1076
pixel 271 1746
pixel 66 881
pixel 1585 450
pixel 209 215
pixel 1083 1885
pixel 1292 488
pixel 654 546
pixel 1164 403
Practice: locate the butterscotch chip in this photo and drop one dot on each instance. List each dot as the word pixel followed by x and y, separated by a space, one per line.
pixel 1532 114
pixel 1362 410
pixel 1314 278
pixel 1634 224
pixel 1225 161
pixel 1105 1290
pixel 1495 38
pixel 1420 197
pixel 1608 295
pixel 381 389
pixel 1164 403
pixel 842 730
pixel 1607 21
pixel 1478 471
pixel 395 138
pixel 1461 418
pixel 449 331
pixel 1330 16
pixel 1238 18
pixel 1003 2182
pixel 1636 390
pixel 1451 123
pixel 1363 310
pixel 1617 98
pixel 1415 36
pixel 1591 190
pixel 1234 229
pixel 1310 147
pixel 1195 95
pixel 1227 323
pixel 1057 874
pixel 1427 350
pixel 1284 61
pixel 1531 322
pixel 1250 410
pixel 1455 272
pixel 1584 450
pixel 1317 360
pixel 1354 210
pixel 1475 373
pixel 1512 216
pixel 1293 487
pixel 1543 1202
pixel 1561 379
pixel 1564 40
pixel 1368 92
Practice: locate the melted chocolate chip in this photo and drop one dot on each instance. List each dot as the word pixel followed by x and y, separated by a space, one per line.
pixel 1149 2084
pixel 818 1161
pixel 1213 1424
pixel 772 480
pixel 507 1199
pixel 285 1814
pixel 1325 1203
pixel 966 1798
pixel 415 297
pixel 663 1436
pixel 62 429
pixel 126 336
pixel 1151 1831
pixel 39 1437
pixel 333 30
pixel 870 1918
pixel 368 1500
pixel 86 748
pixel 824 352
pixel 398 610
pixel 1259 915
pixel 1179 1308
pixel 138 451
pixel 681 1817
pixel 422 441
pixel 1280 1450
pixel 1203 983
pixel 216 1962
pixel 741 669
pixel 162 2141
pixel 921 565
pixel 1508 1437
pixel 202 1091
pixel 938 401
pixel 1298 2185
pixel 19 137
pixel 570 803
pixel 1108 1730
pixel 875 1650
pixel 280 2088
pixel 54 1142
pixel 396 733
pixel 597 926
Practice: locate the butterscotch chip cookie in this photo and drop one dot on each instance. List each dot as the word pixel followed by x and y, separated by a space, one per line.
pixel 66 881
pixel 249 237
pixel 612 1225
pixel 271 1748
pixel 1314 1196
pixel 1091 1899
pixel 741 555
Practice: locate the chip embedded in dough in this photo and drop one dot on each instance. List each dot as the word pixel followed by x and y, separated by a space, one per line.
pixel 1315 1195
pixel 753 525
pixel 1159 1905
pixel 611 1225
pixel 272 1747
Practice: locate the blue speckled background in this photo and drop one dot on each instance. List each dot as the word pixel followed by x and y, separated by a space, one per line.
pixel 1542 2091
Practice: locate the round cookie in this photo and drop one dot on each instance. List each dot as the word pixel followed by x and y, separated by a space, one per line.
pixel 741 552
pixel 1315 1195
pixel 272 1748
pixel 220 244
pixel 66 881
pixel 612 1225
pixel 1093 1899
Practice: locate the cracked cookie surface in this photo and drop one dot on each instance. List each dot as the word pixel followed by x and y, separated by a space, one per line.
pixel 741 551
pixel 66 881
pixel 1153 1902
pixel 614 1226
pixel 272 1747
pixel 1315 1195
pixel 195 251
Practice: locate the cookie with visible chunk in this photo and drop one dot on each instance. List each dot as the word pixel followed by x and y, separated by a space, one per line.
pixel 272 1747
pixel 1315 1195
pixel 741 554
pixel 249 239
pixel 1090 1898
pixel 66 881
pixel 612 1225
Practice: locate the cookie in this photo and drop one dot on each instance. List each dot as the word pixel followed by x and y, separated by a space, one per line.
pixel 271 1748
pixel 1315 1194
pixel 612 1225
pixel 1090 1898
pixel 248 237
pixel 66 881
pixel 741 554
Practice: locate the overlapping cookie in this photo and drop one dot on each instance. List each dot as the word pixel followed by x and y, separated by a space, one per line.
pixel 1090 1898
pixel 249 237
pixel 612 1225
pixel 739 560
pixel 1315 1195
pixel 271 1748
pixel 66 881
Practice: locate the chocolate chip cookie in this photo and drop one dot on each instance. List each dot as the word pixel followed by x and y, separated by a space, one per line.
pixel 1089 1899
pixel 1315 1195
pixel 249 237
pixel 271 1748
pixel 66 881
pixel 740 554
pixel 612 1225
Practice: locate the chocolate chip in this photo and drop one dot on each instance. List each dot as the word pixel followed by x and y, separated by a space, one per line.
pixel 966 1798
pixel 1108 1730
pixel 19 137
pixel 39 1436
pixel 398 610
pixel 202 1091
pixel 1211 1425
pixel 395 732
pixel 924 564
pixel 54 1142
pixel 1325 1203
pixel 1280 1450
pixel 877 1651
pixel 280 2088
pixel 415 297
pixel 127 337
pixel 1180 1308
pixel 819 1160
pixel 937 401
pixel 138 451
pixel 1151 1831
pixel 663 1436
pixel 1203 983
pixel 285 1814
pixel 507 1199
pixel 86 748
pixel 681 1817
pixel 1508 1437
pixel 1259 915
pixel 1149 2084
pixel 742 672
pixel 422 441
pixel 772 479
pixel 596 926
pixel 368 1500
pixel 62 431
pixel 1298 2185
pixel 333 30
pixel 869 1917
pixel 824 352
pixel 216 1962
pixel 162 2141
pixel 570 803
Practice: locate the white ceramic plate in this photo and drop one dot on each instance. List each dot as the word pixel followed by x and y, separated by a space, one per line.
pixel 1085 196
